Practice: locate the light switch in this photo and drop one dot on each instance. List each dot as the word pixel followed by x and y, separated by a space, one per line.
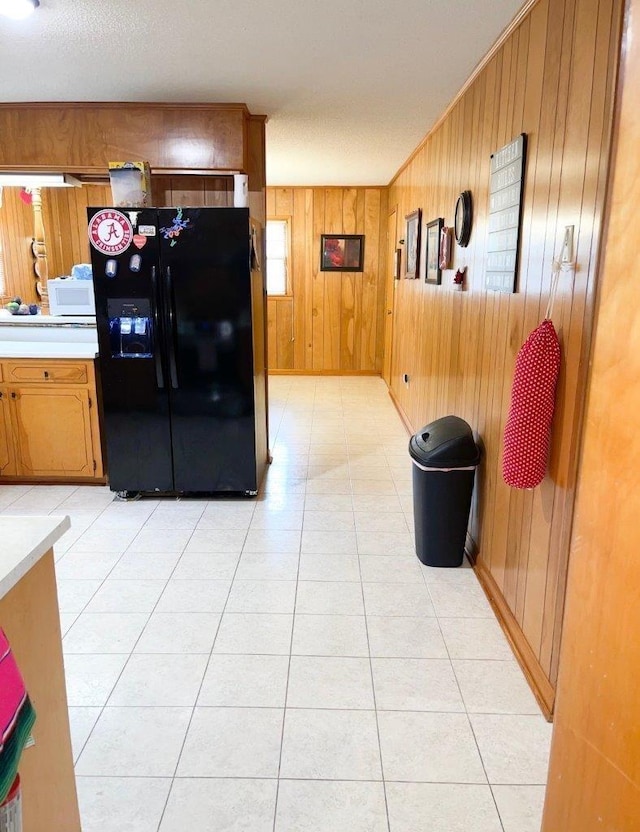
pixel 567 245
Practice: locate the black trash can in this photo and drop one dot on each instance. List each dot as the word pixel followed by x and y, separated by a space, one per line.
pixel 445 458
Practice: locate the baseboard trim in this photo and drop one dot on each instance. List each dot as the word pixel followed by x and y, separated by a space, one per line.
pixel 403 416
pixel 542 688
pixel 323 372
pixel 53 481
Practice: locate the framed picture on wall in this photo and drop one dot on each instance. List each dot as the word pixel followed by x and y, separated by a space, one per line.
pixel 433 273
pixel 412 245
pixel 341 252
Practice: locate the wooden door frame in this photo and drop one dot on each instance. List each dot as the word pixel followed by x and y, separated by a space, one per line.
pixel 390 295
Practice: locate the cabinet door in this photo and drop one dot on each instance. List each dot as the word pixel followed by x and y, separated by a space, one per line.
pixel 52 428
pixel 7 462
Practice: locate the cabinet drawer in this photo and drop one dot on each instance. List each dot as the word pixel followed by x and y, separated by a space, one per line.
pixel 62 372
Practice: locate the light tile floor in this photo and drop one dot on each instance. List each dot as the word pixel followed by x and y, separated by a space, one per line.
pixel 286 664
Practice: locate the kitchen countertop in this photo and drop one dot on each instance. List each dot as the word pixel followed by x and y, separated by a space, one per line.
pixel 48 336
pixel 25 540
pixel 72 321
pixel 47 349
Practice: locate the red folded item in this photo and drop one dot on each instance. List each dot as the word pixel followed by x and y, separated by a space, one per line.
pixel 527 434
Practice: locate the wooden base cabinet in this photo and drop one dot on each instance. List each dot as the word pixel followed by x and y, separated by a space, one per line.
pixel 31 620
pixel 49 421
pixel 7 462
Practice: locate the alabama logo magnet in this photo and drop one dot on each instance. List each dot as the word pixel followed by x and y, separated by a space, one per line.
pixel 110 232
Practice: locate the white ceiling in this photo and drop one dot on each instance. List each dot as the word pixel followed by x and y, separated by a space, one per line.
pixel 350 88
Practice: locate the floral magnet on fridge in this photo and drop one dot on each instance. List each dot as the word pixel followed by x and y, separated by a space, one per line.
pixel 178 225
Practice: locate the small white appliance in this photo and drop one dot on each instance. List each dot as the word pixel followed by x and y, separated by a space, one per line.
pixel 71 297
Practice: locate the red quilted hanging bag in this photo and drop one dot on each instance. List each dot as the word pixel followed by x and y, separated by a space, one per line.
pixel 527 433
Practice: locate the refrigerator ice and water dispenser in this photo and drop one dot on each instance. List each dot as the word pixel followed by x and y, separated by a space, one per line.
pixel 130 328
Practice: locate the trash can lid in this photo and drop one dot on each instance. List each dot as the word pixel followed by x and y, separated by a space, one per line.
pixel 445 443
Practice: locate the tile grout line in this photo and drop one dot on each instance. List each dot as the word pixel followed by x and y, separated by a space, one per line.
pixel 466 711
pixel 206 668
pixel 55 509
pixel 303 779
pixel 77 759
pixel 30 488
pixel 286 693
pixel 438 711
pixel 375 701
pixel 131 652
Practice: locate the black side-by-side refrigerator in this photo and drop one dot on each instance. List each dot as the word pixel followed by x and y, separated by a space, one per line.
pixel 180 312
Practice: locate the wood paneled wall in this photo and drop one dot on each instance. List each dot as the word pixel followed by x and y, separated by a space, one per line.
pixel 553 79
pixel 594 774
pixel 333 321
pixel 65 224
pixel 194 191
pixel 16 237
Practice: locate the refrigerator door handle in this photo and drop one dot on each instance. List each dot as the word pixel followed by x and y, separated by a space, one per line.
pixel 173 371
pixel 156 324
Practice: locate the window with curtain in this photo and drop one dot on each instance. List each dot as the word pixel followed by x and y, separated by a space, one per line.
pixel 278 257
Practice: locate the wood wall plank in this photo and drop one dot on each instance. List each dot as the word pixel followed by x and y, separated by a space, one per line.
pixel 338 317
pixel 594 772
pixel 284 354
pixel 65 222
pixel 188 190
pixel 307 280
pixel 390 289
pixel 318 328
pixel 384 264
pixel 333 221
pixel 272 329
pixel 16 236
pixel 551 79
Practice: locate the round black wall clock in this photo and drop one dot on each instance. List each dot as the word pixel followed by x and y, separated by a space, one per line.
pixel 463 218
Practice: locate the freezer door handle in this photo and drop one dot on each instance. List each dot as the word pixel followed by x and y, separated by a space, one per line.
pixel 156 324
pixel 173 371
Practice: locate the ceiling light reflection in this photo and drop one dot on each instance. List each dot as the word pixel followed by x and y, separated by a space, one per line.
pixel 18 9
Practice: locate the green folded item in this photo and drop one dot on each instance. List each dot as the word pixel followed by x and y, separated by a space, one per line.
pixel 14 745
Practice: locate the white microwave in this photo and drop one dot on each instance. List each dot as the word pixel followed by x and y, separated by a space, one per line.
pixel 71 297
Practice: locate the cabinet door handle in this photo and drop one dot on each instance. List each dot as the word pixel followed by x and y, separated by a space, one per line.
pixel 14 395
pixel 46 374
pixel 1 394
